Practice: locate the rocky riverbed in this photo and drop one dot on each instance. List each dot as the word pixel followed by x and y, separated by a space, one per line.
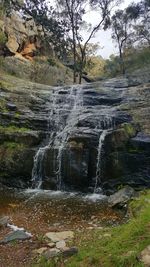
pixel 43 214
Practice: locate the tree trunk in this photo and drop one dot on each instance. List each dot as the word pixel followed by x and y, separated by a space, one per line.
pixel 74 56
pixel 122 65
pixel 80 77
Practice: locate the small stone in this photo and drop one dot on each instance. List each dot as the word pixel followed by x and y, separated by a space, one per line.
pixel 145 256
pixel 68 252
pixel 58 236
pixel 16 235
pixel 40 250
pixel 4 221
pixel 51 245
pixel 61 244
pixel 53 252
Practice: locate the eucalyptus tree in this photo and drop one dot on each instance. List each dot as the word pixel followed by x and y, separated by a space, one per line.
pixel 73 11
pixel 122 30
pixel 142 28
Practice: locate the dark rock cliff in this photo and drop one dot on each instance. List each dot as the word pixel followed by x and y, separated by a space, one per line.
pixel 28 119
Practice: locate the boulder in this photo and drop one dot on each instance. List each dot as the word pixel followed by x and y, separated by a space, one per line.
pixel 121 197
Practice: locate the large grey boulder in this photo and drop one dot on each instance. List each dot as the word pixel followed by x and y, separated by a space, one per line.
pixel 121 197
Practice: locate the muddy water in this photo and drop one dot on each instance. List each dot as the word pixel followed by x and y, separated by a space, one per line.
pixel 40 211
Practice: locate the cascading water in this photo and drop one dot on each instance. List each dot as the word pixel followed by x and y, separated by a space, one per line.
pixel 78 120
pixel 62 119
pixel 107 123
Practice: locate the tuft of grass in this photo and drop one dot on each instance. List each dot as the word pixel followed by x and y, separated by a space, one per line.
pixel 12 146
pixel 13 129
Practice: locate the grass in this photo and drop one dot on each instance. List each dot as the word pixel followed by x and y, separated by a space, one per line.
pixel 120 248
pixel 12 145
pixel 13 129
pixel 125 244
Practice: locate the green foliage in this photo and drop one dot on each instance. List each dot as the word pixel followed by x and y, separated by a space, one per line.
pixel 134 58
pixel 13 129
pixel 137 58
pixel 95 66
pixel 129 129
pixel 51 61
pixel 3 38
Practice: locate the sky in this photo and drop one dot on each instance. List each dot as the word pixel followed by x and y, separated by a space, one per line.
pixel 108 47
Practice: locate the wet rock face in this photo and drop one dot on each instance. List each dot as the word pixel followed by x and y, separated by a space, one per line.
pixel 88 136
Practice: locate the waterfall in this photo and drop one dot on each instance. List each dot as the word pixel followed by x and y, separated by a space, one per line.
pixel 37 171
pixel 62 137
pixel 59 130
pixel 107 123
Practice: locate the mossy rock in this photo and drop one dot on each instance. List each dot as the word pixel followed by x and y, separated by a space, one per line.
pixel 16 163
pixel 118 139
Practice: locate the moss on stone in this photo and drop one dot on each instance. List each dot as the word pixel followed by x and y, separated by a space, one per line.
pixel 4 85
pixel 130 129
pixel 8 152
pixel 3 105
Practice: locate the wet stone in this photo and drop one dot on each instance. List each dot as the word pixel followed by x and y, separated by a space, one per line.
pixel 11 106
pixel 16 235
